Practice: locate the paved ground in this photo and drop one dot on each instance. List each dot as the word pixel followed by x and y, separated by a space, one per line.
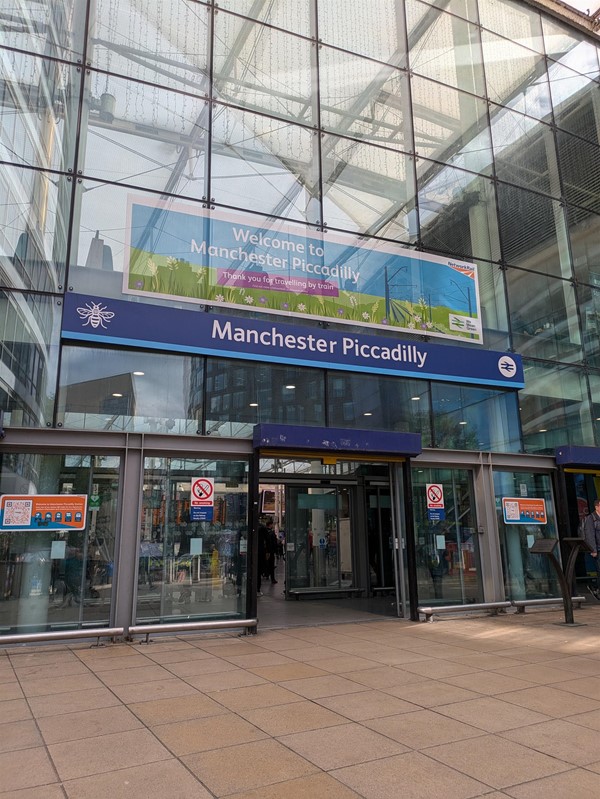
pixel 464 707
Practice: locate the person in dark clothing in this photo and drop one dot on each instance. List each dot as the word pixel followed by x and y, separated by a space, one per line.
pixel 591 533
pixel 266 554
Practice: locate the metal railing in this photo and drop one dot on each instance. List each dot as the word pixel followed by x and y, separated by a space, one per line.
pixel 62 635
pixel 182 627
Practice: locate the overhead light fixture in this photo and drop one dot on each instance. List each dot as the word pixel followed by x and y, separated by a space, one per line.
pixel 116 394
pixel 543 430
pixel 253 405
pixel 367 413
pixel 462 423
pixel 415 399
pixel 290 387
pixel 139 374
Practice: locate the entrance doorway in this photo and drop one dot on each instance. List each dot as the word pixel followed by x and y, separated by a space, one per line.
pixel 338 539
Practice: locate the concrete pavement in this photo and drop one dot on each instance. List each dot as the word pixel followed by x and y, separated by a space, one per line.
pixel 505 706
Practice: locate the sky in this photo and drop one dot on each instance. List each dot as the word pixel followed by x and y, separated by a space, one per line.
pixel 584 5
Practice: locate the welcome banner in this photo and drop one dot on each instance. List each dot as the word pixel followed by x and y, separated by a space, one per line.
pixel 189 253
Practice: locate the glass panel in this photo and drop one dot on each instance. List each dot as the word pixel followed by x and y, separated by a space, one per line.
pixel 584 232
pixel 375 28
pixel 241 394
pixel 589 309
pixel 516 77
pixel 526 575
pixel 29 338
pixel 475 418
pixel 59 579
pixel 262 69
pixel 451 126
pixel 492 296
pixel 291 16
pixel 380 541
pixel 462 8
pixel 594 380
pixel 525 151
pixel 34 209
pixel 444 48
pixel 513 20
pixel 540 243
pixel 448 569
pixel 379 403
pixel 192 569
pixel 368 189
pixel 264 164
pixel 576 102
pixel 37 111
pixel 164 42
pixel 457 212
pixel 145 135
pixel 581 184
pixel 318 538
pixel 363 99
pixel 46 27
pixel 543 316
pixel 555 409
pixel 103 389
pixel 104 232
pixel 570 47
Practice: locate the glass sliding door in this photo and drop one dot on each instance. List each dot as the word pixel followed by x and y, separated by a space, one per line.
pixel 54 578
pixel 318 537
pixel 191 564
pixel 447 546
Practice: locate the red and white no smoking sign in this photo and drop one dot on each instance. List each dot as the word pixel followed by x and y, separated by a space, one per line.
pixel 435 495
pixel 203 492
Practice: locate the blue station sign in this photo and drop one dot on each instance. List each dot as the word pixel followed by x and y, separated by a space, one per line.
pixel 135 324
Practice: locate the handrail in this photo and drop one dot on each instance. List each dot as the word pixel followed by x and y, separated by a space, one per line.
pixel 62 635
pixel 181 627
pixel 429 611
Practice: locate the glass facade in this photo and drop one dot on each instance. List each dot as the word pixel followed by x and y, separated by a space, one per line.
pixel 468 129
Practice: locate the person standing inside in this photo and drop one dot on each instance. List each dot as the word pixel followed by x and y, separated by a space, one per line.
pixel 263 543
pixel 271 552
pixel 591 533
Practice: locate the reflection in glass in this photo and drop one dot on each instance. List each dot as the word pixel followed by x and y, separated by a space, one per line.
pixel 291 16
pixel 192 562
pixel 451 126
pixel 584 233
pixel 373 402
pixel 145 135
pixel 525 151
pixel 581 184
pixel 526 575
pixel 164 42
pixel 588 301
pixel 513 20
pixel 29 338
pixel 571 48
pixel 516 77
pixel 364 99
pixel 37 111
pixel 34 209
pixel 465 417
pixel 262 69
pixel 103 389
pixel 457 212
pixel 543 313
pixel 555 409
pixel 444 48
pixel 447 550
pixel 539 244
pixel 264 164
pixel 240 395
pixel 374 28
pixel 368 189
pixel 575 101
pixel 59 579
pixel 47 27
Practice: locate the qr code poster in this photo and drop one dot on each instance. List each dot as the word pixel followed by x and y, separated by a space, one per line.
pixel 524 510
pixel 43 511
pixel 17 512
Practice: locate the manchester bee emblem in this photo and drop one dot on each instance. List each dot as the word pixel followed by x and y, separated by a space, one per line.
pixel 95 314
